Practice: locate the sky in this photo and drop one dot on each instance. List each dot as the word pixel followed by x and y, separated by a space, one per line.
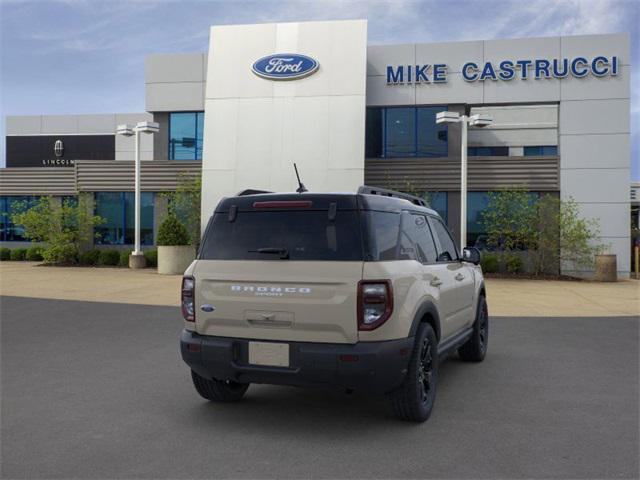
pixel 87 56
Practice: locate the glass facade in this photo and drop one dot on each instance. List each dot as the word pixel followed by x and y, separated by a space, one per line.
pixel 405 132
pixel 9 232
pixel 117 209
pixel 477 203
pixel 438 202
pixel 185 135
pixel 541 151
pixel 488 151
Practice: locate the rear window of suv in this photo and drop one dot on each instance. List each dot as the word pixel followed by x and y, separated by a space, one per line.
pixel 304 235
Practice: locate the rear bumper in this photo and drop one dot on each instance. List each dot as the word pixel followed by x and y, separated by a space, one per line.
pixel 369 366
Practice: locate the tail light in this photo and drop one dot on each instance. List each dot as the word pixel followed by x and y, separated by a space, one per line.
pixel 187 300
pixel 375 303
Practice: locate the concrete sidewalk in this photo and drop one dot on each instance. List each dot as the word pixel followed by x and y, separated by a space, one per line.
pixel 506 297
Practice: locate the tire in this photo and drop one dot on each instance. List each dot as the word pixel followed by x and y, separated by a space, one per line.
pixel 475 349
pixel 218 390
pixel 413 400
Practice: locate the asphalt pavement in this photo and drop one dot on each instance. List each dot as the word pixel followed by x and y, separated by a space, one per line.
pixel 98 390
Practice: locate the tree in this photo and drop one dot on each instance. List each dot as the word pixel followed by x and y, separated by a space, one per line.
pixel 63 227
pixel 578 237
pixel 509 219
pixel 549 228
pixel 184 203
pixel 172 232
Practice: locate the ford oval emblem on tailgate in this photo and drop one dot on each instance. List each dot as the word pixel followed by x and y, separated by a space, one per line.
pixel 207 308
pixel 284 66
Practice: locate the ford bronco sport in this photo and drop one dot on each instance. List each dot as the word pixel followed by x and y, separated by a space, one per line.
pixel 363 291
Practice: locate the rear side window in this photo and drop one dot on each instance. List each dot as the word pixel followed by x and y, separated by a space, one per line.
pixel 417 229
pixel 448 251
pixel 398 236
pixel 383 235
pixel 304 235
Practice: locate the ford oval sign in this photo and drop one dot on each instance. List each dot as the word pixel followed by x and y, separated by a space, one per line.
pixel 285 66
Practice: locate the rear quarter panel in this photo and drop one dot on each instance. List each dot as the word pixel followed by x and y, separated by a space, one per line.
pixel 409 293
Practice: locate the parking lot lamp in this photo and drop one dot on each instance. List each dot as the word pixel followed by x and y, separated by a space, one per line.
pixel 136 259
pixel 477 120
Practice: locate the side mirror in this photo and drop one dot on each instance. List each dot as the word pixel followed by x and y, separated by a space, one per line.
pixel 471 255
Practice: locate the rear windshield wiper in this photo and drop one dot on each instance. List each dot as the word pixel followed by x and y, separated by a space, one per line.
pixel 283 252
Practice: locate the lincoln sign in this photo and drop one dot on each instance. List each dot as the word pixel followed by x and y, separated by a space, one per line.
pixel 506 70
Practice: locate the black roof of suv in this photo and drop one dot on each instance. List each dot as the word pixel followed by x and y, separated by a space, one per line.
pixel 323 201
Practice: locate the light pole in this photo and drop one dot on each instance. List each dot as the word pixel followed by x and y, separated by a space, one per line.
pixel 136 259
pixel 477 120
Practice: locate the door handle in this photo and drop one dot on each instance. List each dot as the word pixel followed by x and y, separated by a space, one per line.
pixel 459 277
pixel 435 282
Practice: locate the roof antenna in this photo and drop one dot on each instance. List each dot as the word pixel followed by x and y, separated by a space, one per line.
pixel 301 188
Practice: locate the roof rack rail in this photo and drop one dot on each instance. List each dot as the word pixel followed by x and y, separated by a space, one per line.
pixel 365 189
pixel 251 191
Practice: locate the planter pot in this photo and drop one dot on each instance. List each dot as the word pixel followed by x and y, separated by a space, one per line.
pixel 606 268
pixel 175 260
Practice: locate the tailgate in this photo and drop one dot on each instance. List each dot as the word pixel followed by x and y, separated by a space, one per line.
pixel 302 301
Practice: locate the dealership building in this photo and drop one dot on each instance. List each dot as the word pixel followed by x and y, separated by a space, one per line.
pixel 347 113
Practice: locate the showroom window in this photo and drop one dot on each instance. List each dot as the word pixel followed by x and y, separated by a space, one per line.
pixel 9 232
pixel 541 151
pixel 185 135
pixel 405 132
pixel 488 151
pixel 477 203
pixel 438 202
pixel 117 210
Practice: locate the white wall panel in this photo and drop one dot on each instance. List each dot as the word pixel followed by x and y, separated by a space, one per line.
pixel 612 219
pixel 617 245
pixel 379 56
pixel 381 94
pixel 96 123
pixel 256 128
pixel 221 122
pixel 455 90
pixel 59 124
pixel 453 54
pixel 174 68
pixel 517 137
pixel 174 97
pixel 23 125
pixel 593 88
pixel 521 49
pixel 594 117
pixel 595 151
pixel 346 132
pixel 593 45
pixel 520 116
pixel 520 91
pixel 235 49
pixel 596 185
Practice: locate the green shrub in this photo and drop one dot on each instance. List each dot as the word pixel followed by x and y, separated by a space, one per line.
pixel 490 263
pixel 18 254
pixel 124 258
pixel 63 227
pixel 172 232
pixel 513 263
pixel 34 254
pixel 151 257
pixel 5 254
pixel 109 257
pixel 90 257
pixel 61 254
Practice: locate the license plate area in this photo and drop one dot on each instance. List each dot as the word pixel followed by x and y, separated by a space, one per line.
pixel 269 354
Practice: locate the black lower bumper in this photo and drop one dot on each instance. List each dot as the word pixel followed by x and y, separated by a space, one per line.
pixel 370 366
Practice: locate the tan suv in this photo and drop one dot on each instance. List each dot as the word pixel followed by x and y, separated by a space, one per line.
pixel 363 291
